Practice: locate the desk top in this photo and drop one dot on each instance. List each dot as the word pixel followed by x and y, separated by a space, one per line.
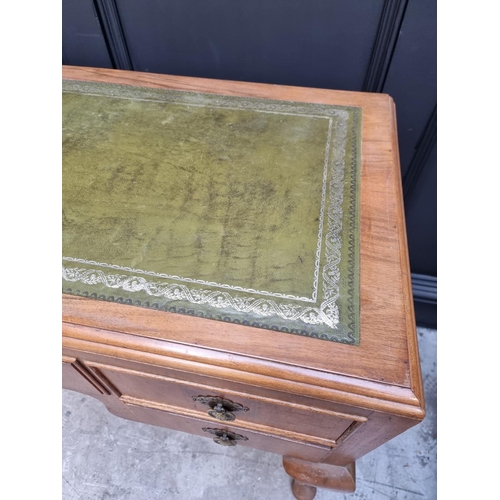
pixel 383 370
pixel 237 209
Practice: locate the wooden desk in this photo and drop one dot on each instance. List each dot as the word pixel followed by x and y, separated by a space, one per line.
pixel 320 404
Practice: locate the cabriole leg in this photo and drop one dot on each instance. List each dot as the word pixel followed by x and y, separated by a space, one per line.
pixel 307 476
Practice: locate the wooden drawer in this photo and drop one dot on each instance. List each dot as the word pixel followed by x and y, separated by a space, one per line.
pixel 142 411
pixel 314 425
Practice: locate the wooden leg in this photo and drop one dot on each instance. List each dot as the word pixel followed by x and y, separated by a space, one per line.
pixel 307 476
pixel 303 491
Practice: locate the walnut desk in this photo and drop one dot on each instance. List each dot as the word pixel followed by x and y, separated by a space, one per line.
pixel 235 265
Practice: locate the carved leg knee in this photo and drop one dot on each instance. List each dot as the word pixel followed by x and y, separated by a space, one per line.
pixel 307 476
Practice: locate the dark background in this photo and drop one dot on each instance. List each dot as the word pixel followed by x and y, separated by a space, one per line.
pixel 362 45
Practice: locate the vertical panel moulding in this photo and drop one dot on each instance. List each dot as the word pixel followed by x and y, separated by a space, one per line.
pixel 385 44
pixel 109 18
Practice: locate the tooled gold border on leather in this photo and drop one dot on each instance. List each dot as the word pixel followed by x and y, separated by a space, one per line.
pixel 327 313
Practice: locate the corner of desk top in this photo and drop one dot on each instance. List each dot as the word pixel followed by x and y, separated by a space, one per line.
pixel 381 105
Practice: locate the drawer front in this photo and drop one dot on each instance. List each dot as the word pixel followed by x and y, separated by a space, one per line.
pixel 141 411
pixel 219 405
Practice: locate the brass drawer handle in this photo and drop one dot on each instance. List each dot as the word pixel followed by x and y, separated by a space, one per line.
pixel 225 438
pixel 220 408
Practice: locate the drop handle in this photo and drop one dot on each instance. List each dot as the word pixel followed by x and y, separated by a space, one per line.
pixel 225 438
pixel 220 408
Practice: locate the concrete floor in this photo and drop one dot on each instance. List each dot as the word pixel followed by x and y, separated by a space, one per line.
pixel 108 458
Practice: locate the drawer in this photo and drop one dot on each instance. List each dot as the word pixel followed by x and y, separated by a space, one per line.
pixel 208 401
pixel 142 411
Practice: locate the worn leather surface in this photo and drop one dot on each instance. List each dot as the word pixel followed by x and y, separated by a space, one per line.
pixel 234 209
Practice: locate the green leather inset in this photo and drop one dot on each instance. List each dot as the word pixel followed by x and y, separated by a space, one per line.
pixel 237 209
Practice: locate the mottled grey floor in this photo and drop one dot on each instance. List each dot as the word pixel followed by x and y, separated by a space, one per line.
pixel 105 457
